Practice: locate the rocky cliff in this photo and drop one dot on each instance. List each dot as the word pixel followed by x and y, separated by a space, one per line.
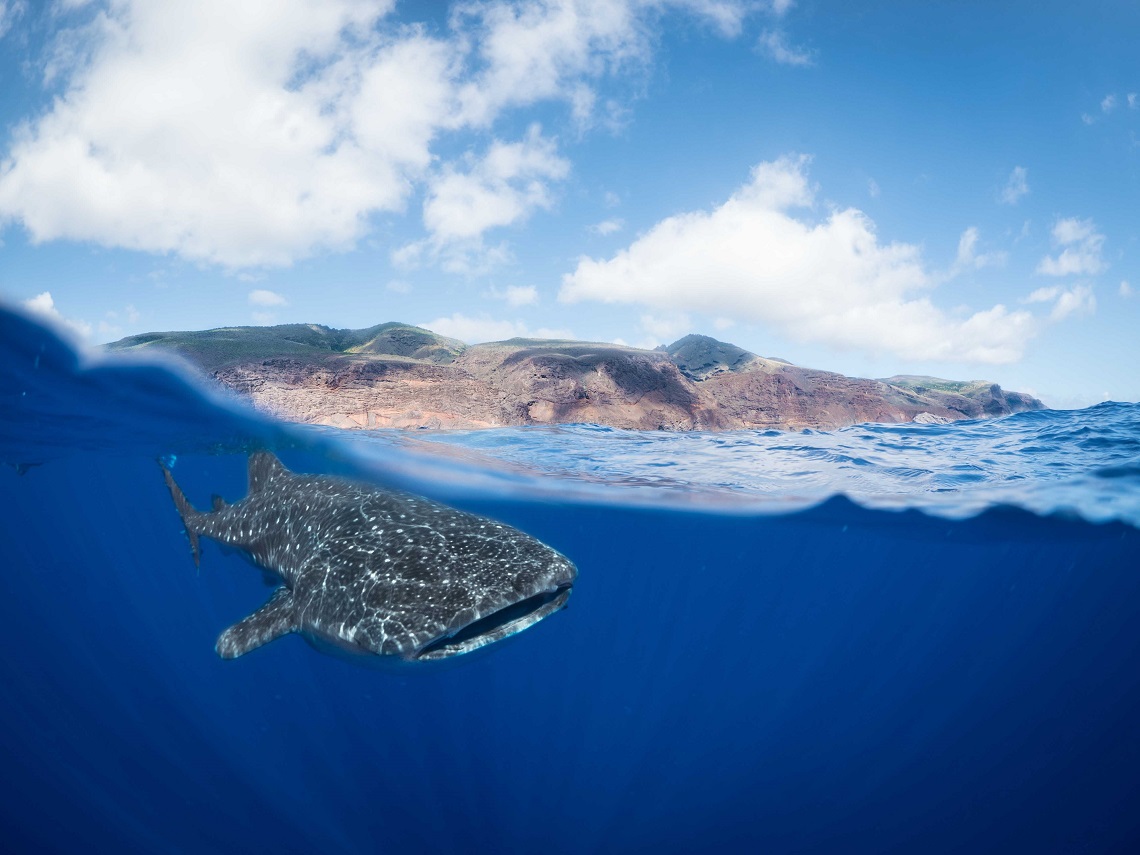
pixel 395 375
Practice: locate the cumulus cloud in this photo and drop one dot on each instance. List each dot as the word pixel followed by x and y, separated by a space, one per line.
pixel 1108 103
pixel 224 151
pixel 246 145
pixel 43 306
pixel 474 330
pixel 503 187
pixel 527 51
pixel 761 257
pixel 262 297
pixel 774 45
pixel 1125 289
pixel 465 200
pixel 1080 246
pixel 1133 100
pixel 1016 186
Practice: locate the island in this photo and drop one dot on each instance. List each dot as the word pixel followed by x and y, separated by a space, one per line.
pixel 396 375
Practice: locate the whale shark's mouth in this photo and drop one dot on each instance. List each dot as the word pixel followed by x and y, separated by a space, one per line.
pixel 505 622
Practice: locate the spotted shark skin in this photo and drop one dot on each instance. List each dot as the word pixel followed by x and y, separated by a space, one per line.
pixel 377 572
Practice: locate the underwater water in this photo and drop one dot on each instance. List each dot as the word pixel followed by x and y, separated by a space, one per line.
pixel 887 638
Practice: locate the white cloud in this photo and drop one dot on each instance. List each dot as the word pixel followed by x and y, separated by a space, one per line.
pixel 1080 244
pixel 968 257
pixel 1016 186
pixel 607 227
pixel 873 189
pixel 535 50
pixel 44 306
pixel 483 328
pixel 503 187
pixel 1076 300
pixel 10 12
pixel 1108 104
pixel 226 151
pixel 248 145
pixel 261 297
pixel 1133 100
pixel 725 16
pixel 611 199
pixel 1066 301
pixel 1045 294
pixel 1071 230
pixel 829 280
pixel 516 295
pixel 779 8
pixel 583 99
pixel 774 45
pixel 471 257
pixel 1125 289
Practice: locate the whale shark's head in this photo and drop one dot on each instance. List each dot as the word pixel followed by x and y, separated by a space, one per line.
pixel 520 600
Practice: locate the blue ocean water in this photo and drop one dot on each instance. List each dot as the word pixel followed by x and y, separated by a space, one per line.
pixel 882 639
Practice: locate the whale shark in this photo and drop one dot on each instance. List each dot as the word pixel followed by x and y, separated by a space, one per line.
pixel 376 573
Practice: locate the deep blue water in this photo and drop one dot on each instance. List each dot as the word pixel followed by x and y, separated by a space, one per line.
pixel 887 638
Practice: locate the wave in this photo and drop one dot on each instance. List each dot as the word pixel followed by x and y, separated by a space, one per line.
pixel 1075 462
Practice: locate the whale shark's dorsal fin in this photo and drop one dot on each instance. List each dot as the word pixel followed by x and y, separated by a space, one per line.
pixel 263 468
pixel 273 620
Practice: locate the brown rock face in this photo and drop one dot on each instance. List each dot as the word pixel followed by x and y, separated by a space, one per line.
pixel 357 392
pixel 405 377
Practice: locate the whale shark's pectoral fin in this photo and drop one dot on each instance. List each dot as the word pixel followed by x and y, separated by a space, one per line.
pixel 273 620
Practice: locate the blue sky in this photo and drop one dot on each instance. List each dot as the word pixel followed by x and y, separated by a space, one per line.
pixel 944 188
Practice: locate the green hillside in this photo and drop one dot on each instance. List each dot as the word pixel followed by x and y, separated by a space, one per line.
pixel 213 349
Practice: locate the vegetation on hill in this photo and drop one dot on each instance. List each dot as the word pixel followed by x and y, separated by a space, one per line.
pixel 218 348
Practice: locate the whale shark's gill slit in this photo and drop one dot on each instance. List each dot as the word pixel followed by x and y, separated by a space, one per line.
pixel 501 624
